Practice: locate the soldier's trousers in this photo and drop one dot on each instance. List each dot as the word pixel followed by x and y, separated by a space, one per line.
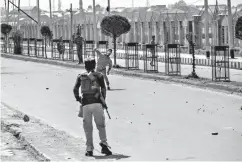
pixel 95 110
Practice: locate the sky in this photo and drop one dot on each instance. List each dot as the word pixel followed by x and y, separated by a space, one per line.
pixel 44 4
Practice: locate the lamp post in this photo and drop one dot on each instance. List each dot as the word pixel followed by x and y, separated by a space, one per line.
pixel 71 38
pixel 94 22
pixel 206 28
pixel 230 26
pixel 109 38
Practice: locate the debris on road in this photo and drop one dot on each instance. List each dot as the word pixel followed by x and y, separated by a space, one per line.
pixel 215 133
pixel 47 88
pixel 26 118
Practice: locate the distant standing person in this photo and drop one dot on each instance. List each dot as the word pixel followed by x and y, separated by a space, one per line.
pixel 61 47
pixel 152 50
pixel 79 42
pixel 103 61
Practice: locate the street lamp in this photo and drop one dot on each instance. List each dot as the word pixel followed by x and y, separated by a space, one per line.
pixel 94 22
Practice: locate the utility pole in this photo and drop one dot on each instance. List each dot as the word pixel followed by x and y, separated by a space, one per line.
pixel 51 29
pixel 206 26
pixel 109 38
pixel 38 26
pixel 7 12
pixel 94 22
pixel 71 40
pixel 231 33
pixel 18 26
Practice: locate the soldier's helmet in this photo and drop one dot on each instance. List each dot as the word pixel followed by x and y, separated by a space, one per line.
pixel 90 63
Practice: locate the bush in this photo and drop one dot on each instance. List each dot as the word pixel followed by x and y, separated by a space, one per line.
pixel 45 31
pixel 5 29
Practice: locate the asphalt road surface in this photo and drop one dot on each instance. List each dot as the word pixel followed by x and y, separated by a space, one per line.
pixel 150 120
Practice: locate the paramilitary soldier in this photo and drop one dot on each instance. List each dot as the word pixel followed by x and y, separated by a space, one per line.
pixel 79 43
pixel 92 89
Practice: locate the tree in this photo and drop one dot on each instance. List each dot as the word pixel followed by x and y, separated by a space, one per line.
pixel 89 7
pixel 5 30
pixel 180 5
pixel 45 31
pixel 114 26
pixel 238 30
pixel 192 45
pixel 17 40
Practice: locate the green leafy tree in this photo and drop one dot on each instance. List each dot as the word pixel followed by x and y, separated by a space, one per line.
pixel 5 30
pixel 114 26
pixel 46 33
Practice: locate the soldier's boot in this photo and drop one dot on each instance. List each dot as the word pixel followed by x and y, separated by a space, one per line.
pixel 89 153
pixel 105 149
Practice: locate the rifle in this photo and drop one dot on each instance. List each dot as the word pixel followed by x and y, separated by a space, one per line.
pixel 100 96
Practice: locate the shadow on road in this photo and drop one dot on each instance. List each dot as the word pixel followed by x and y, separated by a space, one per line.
pixel 9 73
pixel 117 89
pixel 114 156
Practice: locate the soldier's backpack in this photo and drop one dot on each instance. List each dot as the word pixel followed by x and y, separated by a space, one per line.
pixel 89 84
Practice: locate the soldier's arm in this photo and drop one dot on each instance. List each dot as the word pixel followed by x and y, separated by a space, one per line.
pixel 76 89
pixel 102 85
pixel 98 52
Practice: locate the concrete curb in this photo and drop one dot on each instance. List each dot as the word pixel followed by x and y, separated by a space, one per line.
pixel 206 83
pixel 27 144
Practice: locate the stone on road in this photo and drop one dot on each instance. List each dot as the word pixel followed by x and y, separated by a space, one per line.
pixel 165 124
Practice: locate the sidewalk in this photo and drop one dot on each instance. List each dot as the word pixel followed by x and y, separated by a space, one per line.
pixel 44 141
pixel 12 149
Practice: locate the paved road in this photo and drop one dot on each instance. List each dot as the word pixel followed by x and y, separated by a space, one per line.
pixel 150 120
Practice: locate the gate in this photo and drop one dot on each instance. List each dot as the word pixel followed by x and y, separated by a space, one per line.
pixel 32 47
pixel 11 45
pixel 150 58
pixel 2 44
pixel 172 59
pixel 56 54
pixel 25 46
pixel 220 63
pixel 67 53
pixel 88 49
pixel 131 56
pixel 103 46
pixel 40 48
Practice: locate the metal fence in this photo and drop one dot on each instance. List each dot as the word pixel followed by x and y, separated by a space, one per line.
pixel 150 58
pixel 220 63
pixel 131 56
pixel 172 59
pixel 88 49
